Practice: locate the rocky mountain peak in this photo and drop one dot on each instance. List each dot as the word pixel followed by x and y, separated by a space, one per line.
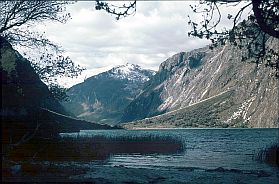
pixel 131 72
pixel 103 97
pixel 127 68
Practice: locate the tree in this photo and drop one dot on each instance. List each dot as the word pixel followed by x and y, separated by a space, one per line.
pixel 17 19
pixel 251 34
pixel 119 11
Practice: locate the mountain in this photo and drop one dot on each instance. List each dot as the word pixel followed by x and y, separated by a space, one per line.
pixel 27 105
pixel 103 97
pixel 208 88
pixel 21 87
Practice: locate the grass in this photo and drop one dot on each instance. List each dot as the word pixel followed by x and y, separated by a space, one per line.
pixel 204 114
pixel 95 148
pixel 31 156
pixel 269 155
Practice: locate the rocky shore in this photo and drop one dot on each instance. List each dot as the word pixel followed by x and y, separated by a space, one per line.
pixel 96 173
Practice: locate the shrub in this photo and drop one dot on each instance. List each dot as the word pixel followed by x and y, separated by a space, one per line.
pixel 269 155
pixel 97 147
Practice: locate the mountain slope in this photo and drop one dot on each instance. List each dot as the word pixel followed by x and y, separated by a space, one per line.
pixel 188 78
pixel 199 115
pixel 22 89
pixel 28 107
pixel 102 98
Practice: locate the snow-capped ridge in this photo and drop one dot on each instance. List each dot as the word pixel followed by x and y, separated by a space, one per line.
pixel 126 69
pixel 131 72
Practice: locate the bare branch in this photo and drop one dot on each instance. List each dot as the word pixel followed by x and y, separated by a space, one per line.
pixel 238 15
pixel 258 12
pixel 17 19
pixel 18 13
pixel 117 10
pixel 251 34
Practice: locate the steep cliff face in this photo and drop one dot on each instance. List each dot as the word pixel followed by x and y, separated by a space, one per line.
pixel 189 78
pixel 102 98
pixel 22 88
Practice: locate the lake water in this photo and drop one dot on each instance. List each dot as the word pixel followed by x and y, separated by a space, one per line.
pixel 202 148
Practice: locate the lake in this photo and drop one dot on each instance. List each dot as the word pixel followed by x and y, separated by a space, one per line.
pixel 159 156
pixel 202 148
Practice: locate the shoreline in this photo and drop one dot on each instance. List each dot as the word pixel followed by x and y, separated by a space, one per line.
pixel 121 174
pixel 194 128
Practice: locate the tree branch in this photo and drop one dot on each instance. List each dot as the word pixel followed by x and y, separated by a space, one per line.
pixel 111 9
pixel 260 20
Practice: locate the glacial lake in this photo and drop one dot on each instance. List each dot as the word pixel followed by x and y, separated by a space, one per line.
pixel 201 148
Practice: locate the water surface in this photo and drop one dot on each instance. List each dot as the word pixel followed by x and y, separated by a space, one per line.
pixel 202 148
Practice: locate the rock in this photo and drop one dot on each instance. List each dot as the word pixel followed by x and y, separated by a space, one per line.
pixel 102 98
pixel 181 88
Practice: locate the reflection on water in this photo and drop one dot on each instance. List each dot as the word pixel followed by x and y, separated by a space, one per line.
pixel 184 153
pixel 202 148
pixel 80 146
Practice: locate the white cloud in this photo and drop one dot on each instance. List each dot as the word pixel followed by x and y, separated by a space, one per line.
pixel 94 39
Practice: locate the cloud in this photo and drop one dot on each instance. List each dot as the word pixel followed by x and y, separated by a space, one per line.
pixel 94 39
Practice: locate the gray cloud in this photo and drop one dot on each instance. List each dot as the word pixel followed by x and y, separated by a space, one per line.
pixel 94 39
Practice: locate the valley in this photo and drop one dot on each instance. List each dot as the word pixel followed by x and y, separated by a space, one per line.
pixel 103 98
pixel 200 88
pixel 136 100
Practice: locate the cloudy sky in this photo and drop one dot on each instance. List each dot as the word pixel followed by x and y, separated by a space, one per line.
pixel 95 40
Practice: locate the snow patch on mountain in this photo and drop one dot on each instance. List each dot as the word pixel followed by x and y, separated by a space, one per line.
pixel 102 98
pixel 131 72
pixel 242 111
